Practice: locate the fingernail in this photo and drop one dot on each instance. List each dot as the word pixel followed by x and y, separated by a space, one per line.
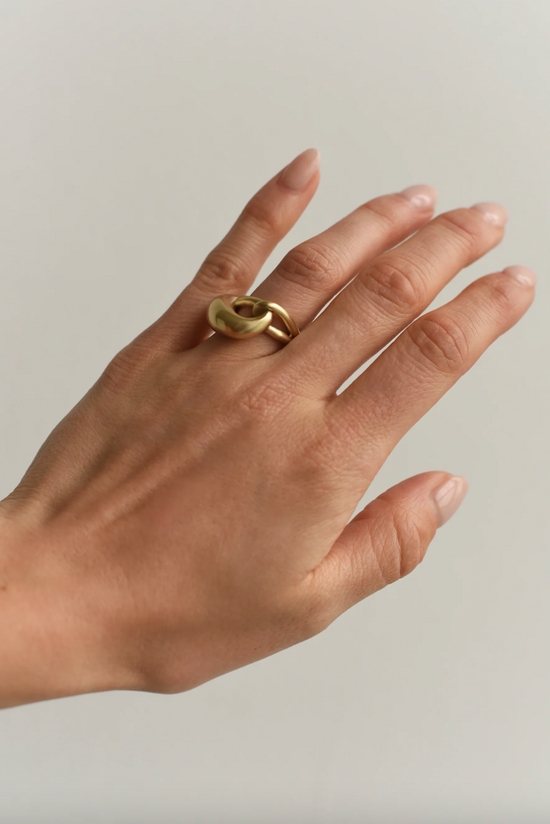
pixel 521 274
pixel 421 196
pixel 447 497
pixel 495 213
pixel 297 174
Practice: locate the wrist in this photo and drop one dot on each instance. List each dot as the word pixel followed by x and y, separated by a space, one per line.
pixel 51 645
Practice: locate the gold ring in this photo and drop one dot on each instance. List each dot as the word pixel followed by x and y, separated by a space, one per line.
pixel 223 317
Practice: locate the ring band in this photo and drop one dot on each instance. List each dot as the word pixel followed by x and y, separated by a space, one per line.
pixel 223 317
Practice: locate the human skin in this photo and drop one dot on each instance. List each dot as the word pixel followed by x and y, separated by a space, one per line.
pixel 193 512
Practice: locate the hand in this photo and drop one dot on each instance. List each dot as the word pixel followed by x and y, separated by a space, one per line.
pixel 190 514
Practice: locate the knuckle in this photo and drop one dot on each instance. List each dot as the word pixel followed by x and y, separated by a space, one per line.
pixel 267 220
pixel 386 544
pixel 464 228
pixel 220 270
pixel 398 284
pixel 311 266
pixel 320 449
pixel 398 547
pixel 123 369
pixel 266 397
pixel 409 543
pixel 500 294
pixel 387 210
pixel 339 435
pixel 439 341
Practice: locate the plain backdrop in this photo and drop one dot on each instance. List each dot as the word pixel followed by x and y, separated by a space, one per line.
pixel 131 136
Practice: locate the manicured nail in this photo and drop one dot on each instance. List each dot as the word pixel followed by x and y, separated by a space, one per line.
pixel 521 274
pixel 297 174
pixel 495 213
pixel 421 197
pixel 447 497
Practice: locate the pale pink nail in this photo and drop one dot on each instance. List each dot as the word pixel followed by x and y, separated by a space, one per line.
pixel 297 174
pixel 447 497
pixel 495 213
pixel 420 196
pixel 522 274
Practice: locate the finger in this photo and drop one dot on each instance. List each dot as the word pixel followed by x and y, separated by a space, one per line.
pixel 386 540
pixel 315 270
pixel 389 293
pixel 416 370
pixel 232 266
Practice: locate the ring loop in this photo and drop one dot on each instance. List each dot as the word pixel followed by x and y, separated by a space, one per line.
pixel 278 334
pixel 223 317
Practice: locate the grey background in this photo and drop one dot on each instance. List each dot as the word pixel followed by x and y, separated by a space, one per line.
pixel 132 134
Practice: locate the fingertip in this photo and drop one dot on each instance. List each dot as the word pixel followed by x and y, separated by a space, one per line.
pixel 495 213
pixel 447 496
pixel 522 275
pixel 421 196
pixel 298 174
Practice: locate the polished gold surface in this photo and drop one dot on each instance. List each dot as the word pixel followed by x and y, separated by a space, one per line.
pixel 223 317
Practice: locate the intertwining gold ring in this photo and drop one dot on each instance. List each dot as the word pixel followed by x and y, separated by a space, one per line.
pixel 223 317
